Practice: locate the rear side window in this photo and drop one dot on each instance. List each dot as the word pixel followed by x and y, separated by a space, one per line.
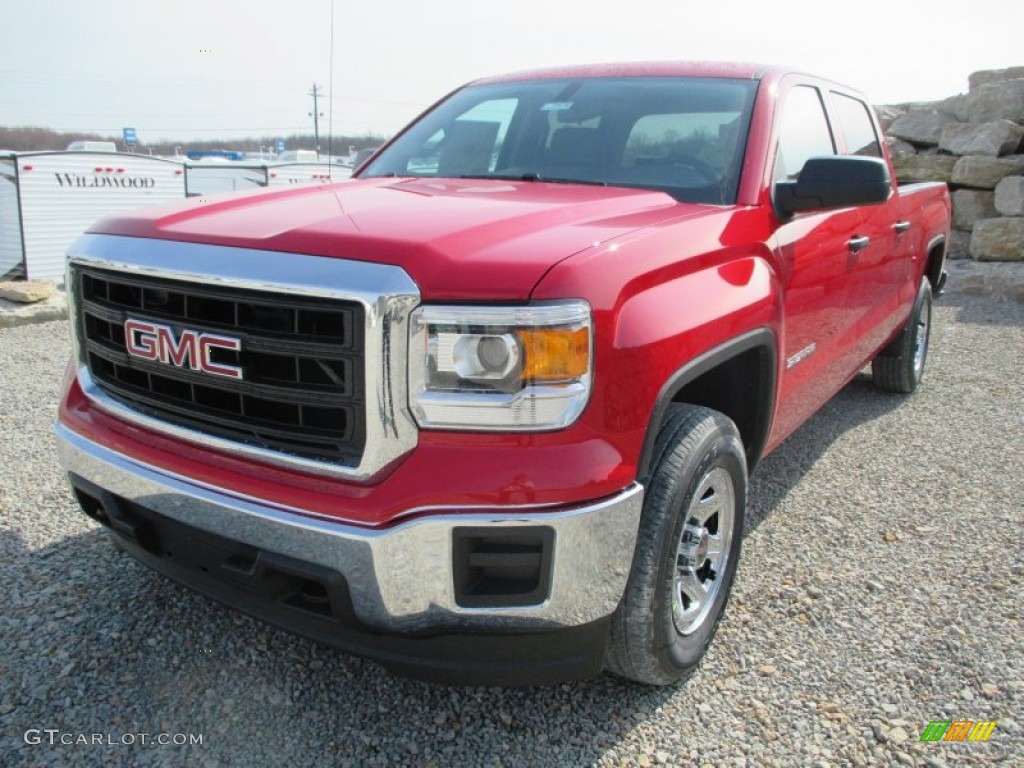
pixel 803 134
pixel 855 123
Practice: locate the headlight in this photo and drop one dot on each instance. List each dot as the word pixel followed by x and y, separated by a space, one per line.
pixel 500 368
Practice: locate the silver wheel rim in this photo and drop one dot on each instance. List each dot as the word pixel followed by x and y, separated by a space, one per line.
pixel 921 342
pixel 703 551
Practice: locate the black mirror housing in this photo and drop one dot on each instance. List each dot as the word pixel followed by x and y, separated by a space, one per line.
pixel 835 181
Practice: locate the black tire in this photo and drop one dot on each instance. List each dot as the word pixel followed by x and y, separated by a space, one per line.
pixel 658 636
pixel 900 366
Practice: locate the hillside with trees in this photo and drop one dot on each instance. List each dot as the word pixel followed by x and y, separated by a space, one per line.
pixel 26 138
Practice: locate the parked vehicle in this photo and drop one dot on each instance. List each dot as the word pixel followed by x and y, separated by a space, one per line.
pixel 299 156
pixel 47 199
pixel 361 156
pixel 486 413
pixel 209 180
pixel 289 174
pixel 92 146
pixel 206 180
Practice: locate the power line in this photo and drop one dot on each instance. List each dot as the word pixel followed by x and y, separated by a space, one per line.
pixel 330 91
pixel 220 83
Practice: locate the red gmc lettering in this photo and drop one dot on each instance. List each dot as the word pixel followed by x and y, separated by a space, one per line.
pixel 142 345
pixel 208 341
pixel 154 341
pixel 177 352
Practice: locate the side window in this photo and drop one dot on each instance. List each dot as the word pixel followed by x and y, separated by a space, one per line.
pixel 803 134
pixel 855 123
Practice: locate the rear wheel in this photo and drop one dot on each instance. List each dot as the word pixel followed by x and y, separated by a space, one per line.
pixel 900 366
pixel 687 549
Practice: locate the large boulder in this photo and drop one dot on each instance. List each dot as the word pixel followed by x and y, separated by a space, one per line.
pixel 15 313
pixel 985 172
pixel 887 116
pixel 924 167
pixel 899 147
pixel 998 240
pixel 26 291
pixel 923 127
pixel 970 205
pixel 1009 196
pixel 959 245
pixel 954 105
pixel 977 79
pixel 1000 137
pixel 1002 100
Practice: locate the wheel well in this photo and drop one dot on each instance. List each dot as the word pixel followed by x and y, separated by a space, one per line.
pixel 933 268
pixel 737 380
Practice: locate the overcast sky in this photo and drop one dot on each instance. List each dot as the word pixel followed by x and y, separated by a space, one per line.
pixel 223 68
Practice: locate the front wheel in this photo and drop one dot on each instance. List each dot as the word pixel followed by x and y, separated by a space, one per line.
pixel 687 549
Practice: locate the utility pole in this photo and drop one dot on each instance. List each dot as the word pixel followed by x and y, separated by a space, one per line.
pixel 316 114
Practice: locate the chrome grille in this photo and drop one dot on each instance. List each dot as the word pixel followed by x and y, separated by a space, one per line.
pixel 302 356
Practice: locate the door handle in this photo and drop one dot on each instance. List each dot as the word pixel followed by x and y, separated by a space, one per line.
pixel 900 227
pixel 858 243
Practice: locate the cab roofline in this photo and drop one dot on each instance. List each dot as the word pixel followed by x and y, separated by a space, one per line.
pixel 745 71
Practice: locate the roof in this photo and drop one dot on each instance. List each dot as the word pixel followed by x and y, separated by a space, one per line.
pixel 768 74
pixel 638 69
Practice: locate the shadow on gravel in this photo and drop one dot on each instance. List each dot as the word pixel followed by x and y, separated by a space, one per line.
pixel 857 403
pixel 978 310
pixel 94 642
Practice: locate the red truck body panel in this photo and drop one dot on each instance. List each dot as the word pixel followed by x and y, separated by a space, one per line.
pixel 452 236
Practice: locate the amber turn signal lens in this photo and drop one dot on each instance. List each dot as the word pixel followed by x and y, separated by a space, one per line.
pixel 551 354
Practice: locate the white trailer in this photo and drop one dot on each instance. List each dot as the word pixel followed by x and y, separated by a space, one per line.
pixel 286 174
pixel 47 199
pixel 209 179
pixel 93 146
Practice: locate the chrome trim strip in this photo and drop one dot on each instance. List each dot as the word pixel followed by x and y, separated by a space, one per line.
pixel 388 296
pixel 400 578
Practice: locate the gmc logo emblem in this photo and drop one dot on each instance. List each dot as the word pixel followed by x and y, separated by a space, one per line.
pixel 152 341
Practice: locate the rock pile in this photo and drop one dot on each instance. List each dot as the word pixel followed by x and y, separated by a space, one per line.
pixel 975 143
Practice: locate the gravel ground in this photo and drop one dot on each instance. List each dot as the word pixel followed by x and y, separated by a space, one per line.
pixel 880 588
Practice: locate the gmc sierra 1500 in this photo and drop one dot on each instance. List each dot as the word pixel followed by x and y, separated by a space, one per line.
pixel 486 412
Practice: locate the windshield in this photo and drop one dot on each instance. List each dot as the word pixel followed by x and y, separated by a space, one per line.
pixel 683 136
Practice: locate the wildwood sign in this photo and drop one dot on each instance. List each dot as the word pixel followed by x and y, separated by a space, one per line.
pixel 125 182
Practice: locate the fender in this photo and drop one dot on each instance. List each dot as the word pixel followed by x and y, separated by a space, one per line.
pixel 760 339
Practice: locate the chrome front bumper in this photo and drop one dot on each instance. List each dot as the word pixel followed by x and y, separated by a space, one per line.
pixel 400 579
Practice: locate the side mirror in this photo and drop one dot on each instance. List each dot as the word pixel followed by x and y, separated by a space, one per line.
pixel 835 182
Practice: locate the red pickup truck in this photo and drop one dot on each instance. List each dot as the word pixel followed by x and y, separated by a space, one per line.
pixel 486 412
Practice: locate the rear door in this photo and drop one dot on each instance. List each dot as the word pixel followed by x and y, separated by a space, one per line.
pixel 880 267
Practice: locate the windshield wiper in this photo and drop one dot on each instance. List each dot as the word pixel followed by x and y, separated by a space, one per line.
pixel 531 176
pixel 502 176
pixel 558 180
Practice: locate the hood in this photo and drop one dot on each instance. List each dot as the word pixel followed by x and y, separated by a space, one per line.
pixel 457 238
